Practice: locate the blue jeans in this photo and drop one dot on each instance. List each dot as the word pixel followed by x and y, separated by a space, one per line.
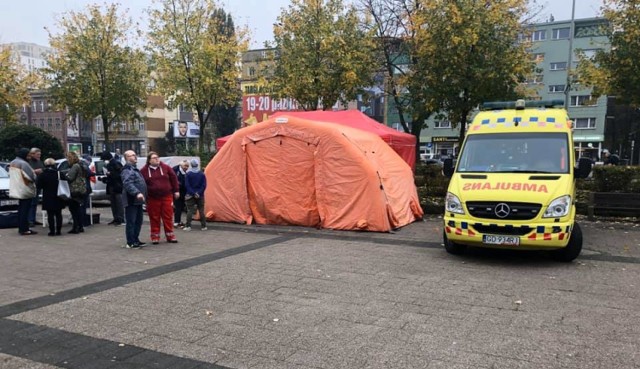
pixel 133 217
pixel 24 206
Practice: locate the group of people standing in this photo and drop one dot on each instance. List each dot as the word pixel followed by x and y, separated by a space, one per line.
pixel 164 190
pixel 29 176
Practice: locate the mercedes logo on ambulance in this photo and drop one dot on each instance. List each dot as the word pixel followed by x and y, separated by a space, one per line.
pixel 502 210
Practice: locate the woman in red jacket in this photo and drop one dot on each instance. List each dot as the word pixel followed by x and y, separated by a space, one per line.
pixel 162 187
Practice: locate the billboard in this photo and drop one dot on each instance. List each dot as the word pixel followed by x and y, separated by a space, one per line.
pixel 186 129
pixel 73 126
pixel 257 108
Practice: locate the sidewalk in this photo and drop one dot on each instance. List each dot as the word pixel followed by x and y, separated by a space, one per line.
pixel 240 296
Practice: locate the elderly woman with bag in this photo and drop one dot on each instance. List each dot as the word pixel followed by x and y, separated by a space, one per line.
pixel 77 183
pixel 48 182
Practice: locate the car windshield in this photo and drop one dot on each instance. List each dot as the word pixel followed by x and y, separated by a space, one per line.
pixel 3 173
pixel 515 153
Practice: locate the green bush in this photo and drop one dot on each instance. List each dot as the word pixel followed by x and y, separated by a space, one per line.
pixel 16 136
pixel 615 178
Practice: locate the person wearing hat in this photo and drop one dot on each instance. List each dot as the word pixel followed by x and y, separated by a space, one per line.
pixel 196 184
pixel 22 186
pixel 113 180
pixel 610 159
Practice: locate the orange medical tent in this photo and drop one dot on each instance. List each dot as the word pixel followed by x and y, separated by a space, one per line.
pixel 291 171
pixel 402 143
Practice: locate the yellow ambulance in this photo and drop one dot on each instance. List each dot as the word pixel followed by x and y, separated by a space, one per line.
pixel 513 185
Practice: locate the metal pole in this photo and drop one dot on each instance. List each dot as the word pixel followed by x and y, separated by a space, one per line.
pixel 571 30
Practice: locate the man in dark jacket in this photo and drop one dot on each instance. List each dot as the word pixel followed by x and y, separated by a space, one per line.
pixel 178 204
pixel 35 161
pixel 196 183
pixel 113 180
pixel 134 196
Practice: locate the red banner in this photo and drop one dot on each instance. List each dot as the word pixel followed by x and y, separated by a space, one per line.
pixel 257 108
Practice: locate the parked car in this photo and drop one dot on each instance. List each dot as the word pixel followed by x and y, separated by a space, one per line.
pixel 5 165
pixel 6 203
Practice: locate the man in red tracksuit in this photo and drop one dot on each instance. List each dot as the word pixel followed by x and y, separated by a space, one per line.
pixel 162 187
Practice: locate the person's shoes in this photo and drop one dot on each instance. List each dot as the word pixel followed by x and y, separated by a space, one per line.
pixel 132 246
pixel 37 223
pixel 176 224
pixel 112 222
pixel 51 234
pixel 32 224
pixel 172 241
pixel 155 242
pixel 186 229
pixel 203 228
pixel 28 233
pixel 73 231
pixel 141 243
pixel 81 230
pixel 58 232
pixel 117 224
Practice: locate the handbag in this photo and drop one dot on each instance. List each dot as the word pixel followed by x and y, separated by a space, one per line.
pixel 78 186
pixel 64 192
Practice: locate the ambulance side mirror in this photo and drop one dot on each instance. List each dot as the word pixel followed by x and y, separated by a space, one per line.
pixel 584 168
pixel 447 167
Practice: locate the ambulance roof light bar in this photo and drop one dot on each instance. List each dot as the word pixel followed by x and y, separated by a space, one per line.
pixel 521 104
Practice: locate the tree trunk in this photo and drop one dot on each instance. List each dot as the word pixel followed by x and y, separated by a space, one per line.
pixel 203 126
pixel 105 129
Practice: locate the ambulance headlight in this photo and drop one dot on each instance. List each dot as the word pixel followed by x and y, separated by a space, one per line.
pixel 452 204
pixel 558 207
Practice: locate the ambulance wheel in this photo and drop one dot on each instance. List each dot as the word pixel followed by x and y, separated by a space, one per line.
pixel 452 247
pixel 573 248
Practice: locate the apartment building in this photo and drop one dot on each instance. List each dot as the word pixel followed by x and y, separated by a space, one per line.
pixel 551 42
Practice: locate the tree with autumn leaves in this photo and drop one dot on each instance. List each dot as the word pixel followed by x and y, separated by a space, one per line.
pixel 616 71
pixel 195 55
pixel 323 55
pixel 467 53
pixel 95 70
pixel 14 85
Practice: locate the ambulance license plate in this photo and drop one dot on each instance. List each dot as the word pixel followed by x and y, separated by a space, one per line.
pixel 500 240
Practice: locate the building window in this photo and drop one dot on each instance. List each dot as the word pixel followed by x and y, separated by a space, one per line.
pixel 141 125
pixel 42 106
pixel 538 57
pixel 558 66
pixel 589 53
pixel 58 125
pixel 443 124
pixel 35 105
pixel 553 89
pixel 99 127
pixel 50 124
pixel 585 123
pixel 252 71
pixel 559 33
pixel 535 79
pixel 582 100
pixel 539 35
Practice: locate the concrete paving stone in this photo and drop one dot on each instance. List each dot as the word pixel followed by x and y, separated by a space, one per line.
pixel 12 362
pixel 181 349
pixel 395 359
pixel 229 343
pixel 334 358
pixel 334 333
pixel 275 351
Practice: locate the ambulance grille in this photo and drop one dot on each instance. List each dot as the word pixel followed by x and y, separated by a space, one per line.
pixel 503 230
pixel 518 210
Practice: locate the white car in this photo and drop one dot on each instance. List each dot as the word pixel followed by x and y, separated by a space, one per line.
pixel 6 203
pixel 98 188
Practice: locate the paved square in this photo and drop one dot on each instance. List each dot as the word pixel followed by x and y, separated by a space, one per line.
pixel 285 297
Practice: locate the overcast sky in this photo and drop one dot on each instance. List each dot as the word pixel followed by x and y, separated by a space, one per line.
pixel 25 20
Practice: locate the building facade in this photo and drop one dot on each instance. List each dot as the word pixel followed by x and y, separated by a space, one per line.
pixel 551 43
pixel 31 56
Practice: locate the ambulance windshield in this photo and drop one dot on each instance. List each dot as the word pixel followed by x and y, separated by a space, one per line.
pixel 515 153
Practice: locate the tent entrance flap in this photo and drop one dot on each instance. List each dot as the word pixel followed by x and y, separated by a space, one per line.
pixel 281 181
